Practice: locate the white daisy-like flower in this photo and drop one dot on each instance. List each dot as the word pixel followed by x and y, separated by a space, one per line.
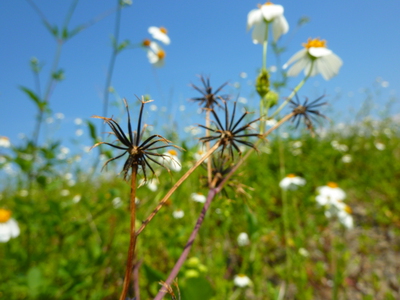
pixel 380 146
pixel 198 197
pixel 347 158
pixel 171 160
pixel 8 226
pixel 260 18
pixel 151 184
pixel 243 239
pixel 160 34
pixel 291 182
pixel 330 194
pixel 178 214
pixel 5 142
pixel 317 56
pixel 200 153
pixel 345 217
pixel 155 54
pixel 241 280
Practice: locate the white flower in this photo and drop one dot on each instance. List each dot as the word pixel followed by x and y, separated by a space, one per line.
pixel 241 280
pixel 78 121
pixel 345 217
pixel 64 193
pixel 304 252
pixel 243 239
pixel 260 18
pixel 151 184
pixel 271 122
pixel 117 202
pixel 76 198
pixel 315 55
pixel 200 153
pixel 171 160
pixel 347 158
pixel 380 146
pixel 160 33
pixel 178 214
pixel 291 182
pixel 8 226
pixel 330 194
pixel 197 197
pixel 155 54
pixel 5 142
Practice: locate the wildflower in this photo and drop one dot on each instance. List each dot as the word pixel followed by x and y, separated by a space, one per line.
pixel 330 194
pixel 138 152
pixel 64 193
pixel 171 159
pixel 23 193
pixel 178 214
pixel 260 18
pixel 209 98
pixel 304 252
pixel 76 198
pixel 152 184
pixel 291 182
pixel 198 197
pixel 380 146
pixel 117 202
pixel 243 239
pixel 315 58
pixel 345 218
pixel 8 226
pixel 160 33
pixel 200 153
pixel 241 280
pixel 229 136
pixel 155 54
pixel 347 158
pixel 5 142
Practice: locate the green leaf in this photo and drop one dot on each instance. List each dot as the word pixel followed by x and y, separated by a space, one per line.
pixel 52 29
pixel 92 130
pixel 58 75
pixel 40 104
pixel 123 45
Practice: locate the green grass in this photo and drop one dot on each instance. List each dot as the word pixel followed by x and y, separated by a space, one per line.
pixel 69 250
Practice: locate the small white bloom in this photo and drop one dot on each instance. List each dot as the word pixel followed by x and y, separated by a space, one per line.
pixel 243 75
pixel 243 239
pixel 291 182
pixel 78 132
pixel 160 33
pixel 76 198
pixel 322 60
pixel 152 184
pixel 171 160
pixel 197 197
pixel 260 19
pixel 5 142
pixel 153 107
pixel 330 194
pixel 78 121
pixel 155 54
pixel 8 226
pixel 117 202
pixel 271 122
pixel 241 280
pixel 200 153
pixel 304 252
pixel 59 116
pixel 49 120
pixel 380 146
pixel 345 218
pixel 178 214
pixel 64 193
pixel 347 158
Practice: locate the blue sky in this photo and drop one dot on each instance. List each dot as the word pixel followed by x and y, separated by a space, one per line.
pixel 207 37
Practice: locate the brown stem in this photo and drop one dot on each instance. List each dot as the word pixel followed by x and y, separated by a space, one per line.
pixel 188 246
pixel 176 185
pixel 132 242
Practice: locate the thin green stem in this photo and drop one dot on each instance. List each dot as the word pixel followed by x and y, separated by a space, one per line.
pixel 265 47
pixel 294 92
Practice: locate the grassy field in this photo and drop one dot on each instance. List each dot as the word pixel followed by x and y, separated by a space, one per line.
pixel 75 227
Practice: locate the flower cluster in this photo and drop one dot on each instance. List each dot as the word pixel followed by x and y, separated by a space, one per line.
pixel 291 182
pixel 155 53
pixel 331 197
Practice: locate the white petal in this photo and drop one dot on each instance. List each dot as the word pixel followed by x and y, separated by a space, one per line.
pixel 279 26
pixel 14 228
pixel 319 51
pixel 329 65
pixel 296 56
pixel 157 34
pixel 322 200
pixel 271 11
pixel 255 16
pixel 259 33
pixel 303 63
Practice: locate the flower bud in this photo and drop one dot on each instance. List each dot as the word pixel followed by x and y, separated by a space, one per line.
pixel 262 83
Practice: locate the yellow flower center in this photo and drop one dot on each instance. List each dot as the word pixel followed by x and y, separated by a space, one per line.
pixel 314 43
pixel 348 209
pixel 172 152
pixel 266 3
pixel 291 176
pixel 332 185
pixel 241 275
pixel 5 215
pixel 146 43
pixel 163 30
pixel 161 55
